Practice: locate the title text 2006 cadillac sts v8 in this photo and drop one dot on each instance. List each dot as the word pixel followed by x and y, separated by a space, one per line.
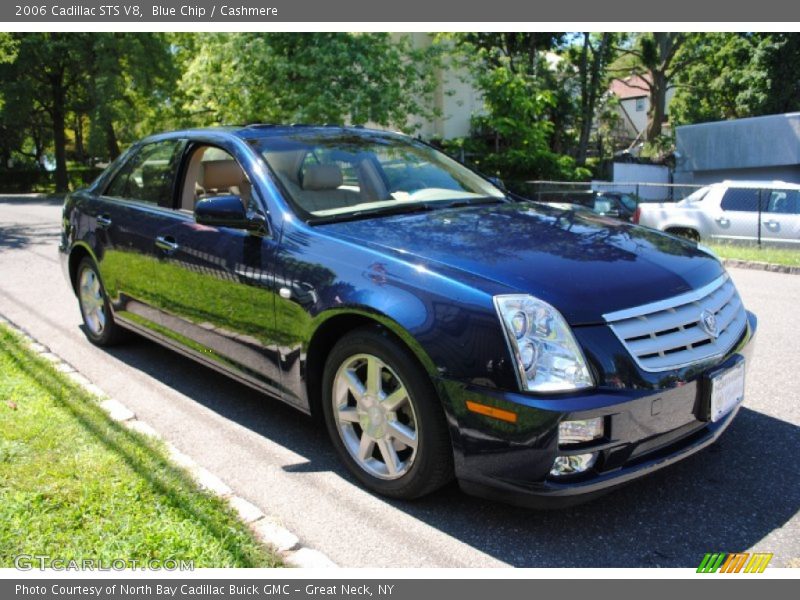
pixel 443 329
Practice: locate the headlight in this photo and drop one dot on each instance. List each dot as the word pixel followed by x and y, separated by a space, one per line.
pixel 548 357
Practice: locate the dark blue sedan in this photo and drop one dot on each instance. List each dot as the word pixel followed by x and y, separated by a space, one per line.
pixel 441 329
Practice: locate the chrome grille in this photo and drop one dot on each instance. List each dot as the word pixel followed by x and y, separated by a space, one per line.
pixel 671 333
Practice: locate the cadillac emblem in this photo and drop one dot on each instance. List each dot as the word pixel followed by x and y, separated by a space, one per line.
pixel 709 323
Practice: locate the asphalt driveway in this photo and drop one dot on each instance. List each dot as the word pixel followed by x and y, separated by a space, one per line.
pixel 741 494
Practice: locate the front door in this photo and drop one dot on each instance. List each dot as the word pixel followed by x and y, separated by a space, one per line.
pixel 215 285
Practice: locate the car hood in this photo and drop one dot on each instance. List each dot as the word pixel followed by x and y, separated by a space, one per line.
pixel 583 264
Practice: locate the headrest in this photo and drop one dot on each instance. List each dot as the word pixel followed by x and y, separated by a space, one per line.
pixel 221 174
pixel 322 177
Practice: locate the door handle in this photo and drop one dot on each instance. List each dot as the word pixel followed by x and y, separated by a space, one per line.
pixel 772 224
pixel 723 221
pixel 167 244
pixel 103 220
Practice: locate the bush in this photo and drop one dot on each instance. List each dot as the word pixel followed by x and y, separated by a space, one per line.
pixel 28 180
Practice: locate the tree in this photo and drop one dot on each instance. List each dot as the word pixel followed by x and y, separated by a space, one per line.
pixel 525 127
pixel 737 75
pixel 46 74
pixel 596 53
pixel 98 82
pixel 307 78
pixel 658 61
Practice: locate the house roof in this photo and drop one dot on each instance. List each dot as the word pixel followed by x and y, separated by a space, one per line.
pixel 634 86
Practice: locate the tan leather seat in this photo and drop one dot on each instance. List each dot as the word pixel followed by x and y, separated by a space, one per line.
pixel 320 189
pixel 224 177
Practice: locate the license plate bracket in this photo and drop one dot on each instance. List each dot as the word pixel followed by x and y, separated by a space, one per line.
pixel 724 391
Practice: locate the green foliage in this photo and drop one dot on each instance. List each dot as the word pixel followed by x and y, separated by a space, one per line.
pixel 736 75
pixel 76 485
pixel 307 78
pixel 32 179
pixel 517 134
pixel 79 98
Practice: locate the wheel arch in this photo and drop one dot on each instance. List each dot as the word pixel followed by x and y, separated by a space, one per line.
pixel 78 252
pixel 689 231
pixel 332 325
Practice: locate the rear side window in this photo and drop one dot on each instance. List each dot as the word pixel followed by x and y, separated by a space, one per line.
pixel 149 175
pixel 741 199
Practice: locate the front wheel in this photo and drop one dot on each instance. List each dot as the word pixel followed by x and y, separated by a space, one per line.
pixel 384 418
pixel 98 320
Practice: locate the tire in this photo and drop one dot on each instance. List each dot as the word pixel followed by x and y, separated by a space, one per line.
pixel 98 320
pixel 378 402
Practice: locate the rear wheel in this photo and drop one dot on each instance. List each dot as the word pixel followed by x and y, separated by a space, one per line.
pixel 99 323
pixel 384 418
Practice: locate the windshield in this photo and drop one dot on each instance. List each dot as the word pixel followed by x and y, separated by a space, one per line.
pixel 338 175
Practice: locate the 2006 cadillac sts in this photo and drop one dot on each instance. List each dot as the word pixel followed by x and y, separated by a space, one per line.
pixel 442 328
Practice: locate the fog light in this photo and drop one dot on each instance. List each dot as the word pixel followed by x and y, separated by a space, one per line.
pixel 570 465
pixel 578 432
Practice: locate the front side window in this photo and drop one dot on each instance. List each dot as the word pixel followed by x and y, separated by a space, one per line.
pixel 149 175
pixel 212 171
pixel 339 175
pixel 784 202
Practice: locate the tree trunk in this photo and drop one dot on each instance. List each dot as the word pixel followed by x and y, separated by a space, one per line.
pixel 658 101
pixel 112 145
pixel 80 151
pixel 590 89
pixel 59 135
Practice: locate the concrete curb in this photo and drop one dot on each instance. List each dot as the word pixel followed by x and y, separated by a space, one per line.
pixel 267 530
pixel 760 266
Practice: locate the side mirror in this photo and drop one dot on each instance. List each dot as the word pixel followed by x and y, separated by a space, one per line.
pixel 228 211
pixel 498 183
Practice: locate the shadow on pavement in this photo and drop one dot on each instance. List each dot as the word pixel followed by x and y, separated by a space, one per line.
pixel 726 498
pixel 17 236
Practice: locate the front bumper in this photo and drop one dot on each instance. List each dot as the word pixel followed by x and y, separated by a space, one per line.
pixel 646 430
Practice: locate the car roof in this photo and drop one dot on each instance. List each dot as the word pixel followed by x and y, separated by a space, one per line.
pixel 265 130
pixel 758 184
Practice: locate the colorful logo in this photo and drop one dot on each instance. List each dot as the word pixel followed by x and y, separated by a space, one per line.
pixel 736 562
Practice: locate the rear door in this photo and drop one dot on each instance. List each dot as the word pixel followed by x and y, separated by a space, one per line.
pixel 780 221
pixel 127 215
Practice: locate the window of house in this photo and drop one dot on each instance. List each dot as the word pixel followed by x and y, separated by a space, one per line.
pixel 639 104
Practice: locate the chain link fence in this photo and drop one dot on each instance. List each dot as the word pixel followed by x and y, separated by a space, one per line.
pixel 561 191
pixel 727 213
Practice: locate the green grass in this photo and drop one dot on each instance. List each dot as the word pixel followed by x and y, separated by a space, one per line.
pixel 75 485
pixel 778 256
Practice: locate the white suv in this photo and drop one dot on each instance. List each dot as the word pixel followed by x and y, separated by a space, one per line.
pixel 730 211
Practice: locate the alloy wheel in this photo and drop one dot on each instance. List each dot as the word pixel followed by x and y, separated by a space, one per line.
pixel 92 301
pixel 375 416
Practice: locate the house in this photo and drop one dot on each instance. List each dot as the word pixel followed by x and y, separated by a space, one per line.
pixel 455 98
pixel 633 94
pixel 757 148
